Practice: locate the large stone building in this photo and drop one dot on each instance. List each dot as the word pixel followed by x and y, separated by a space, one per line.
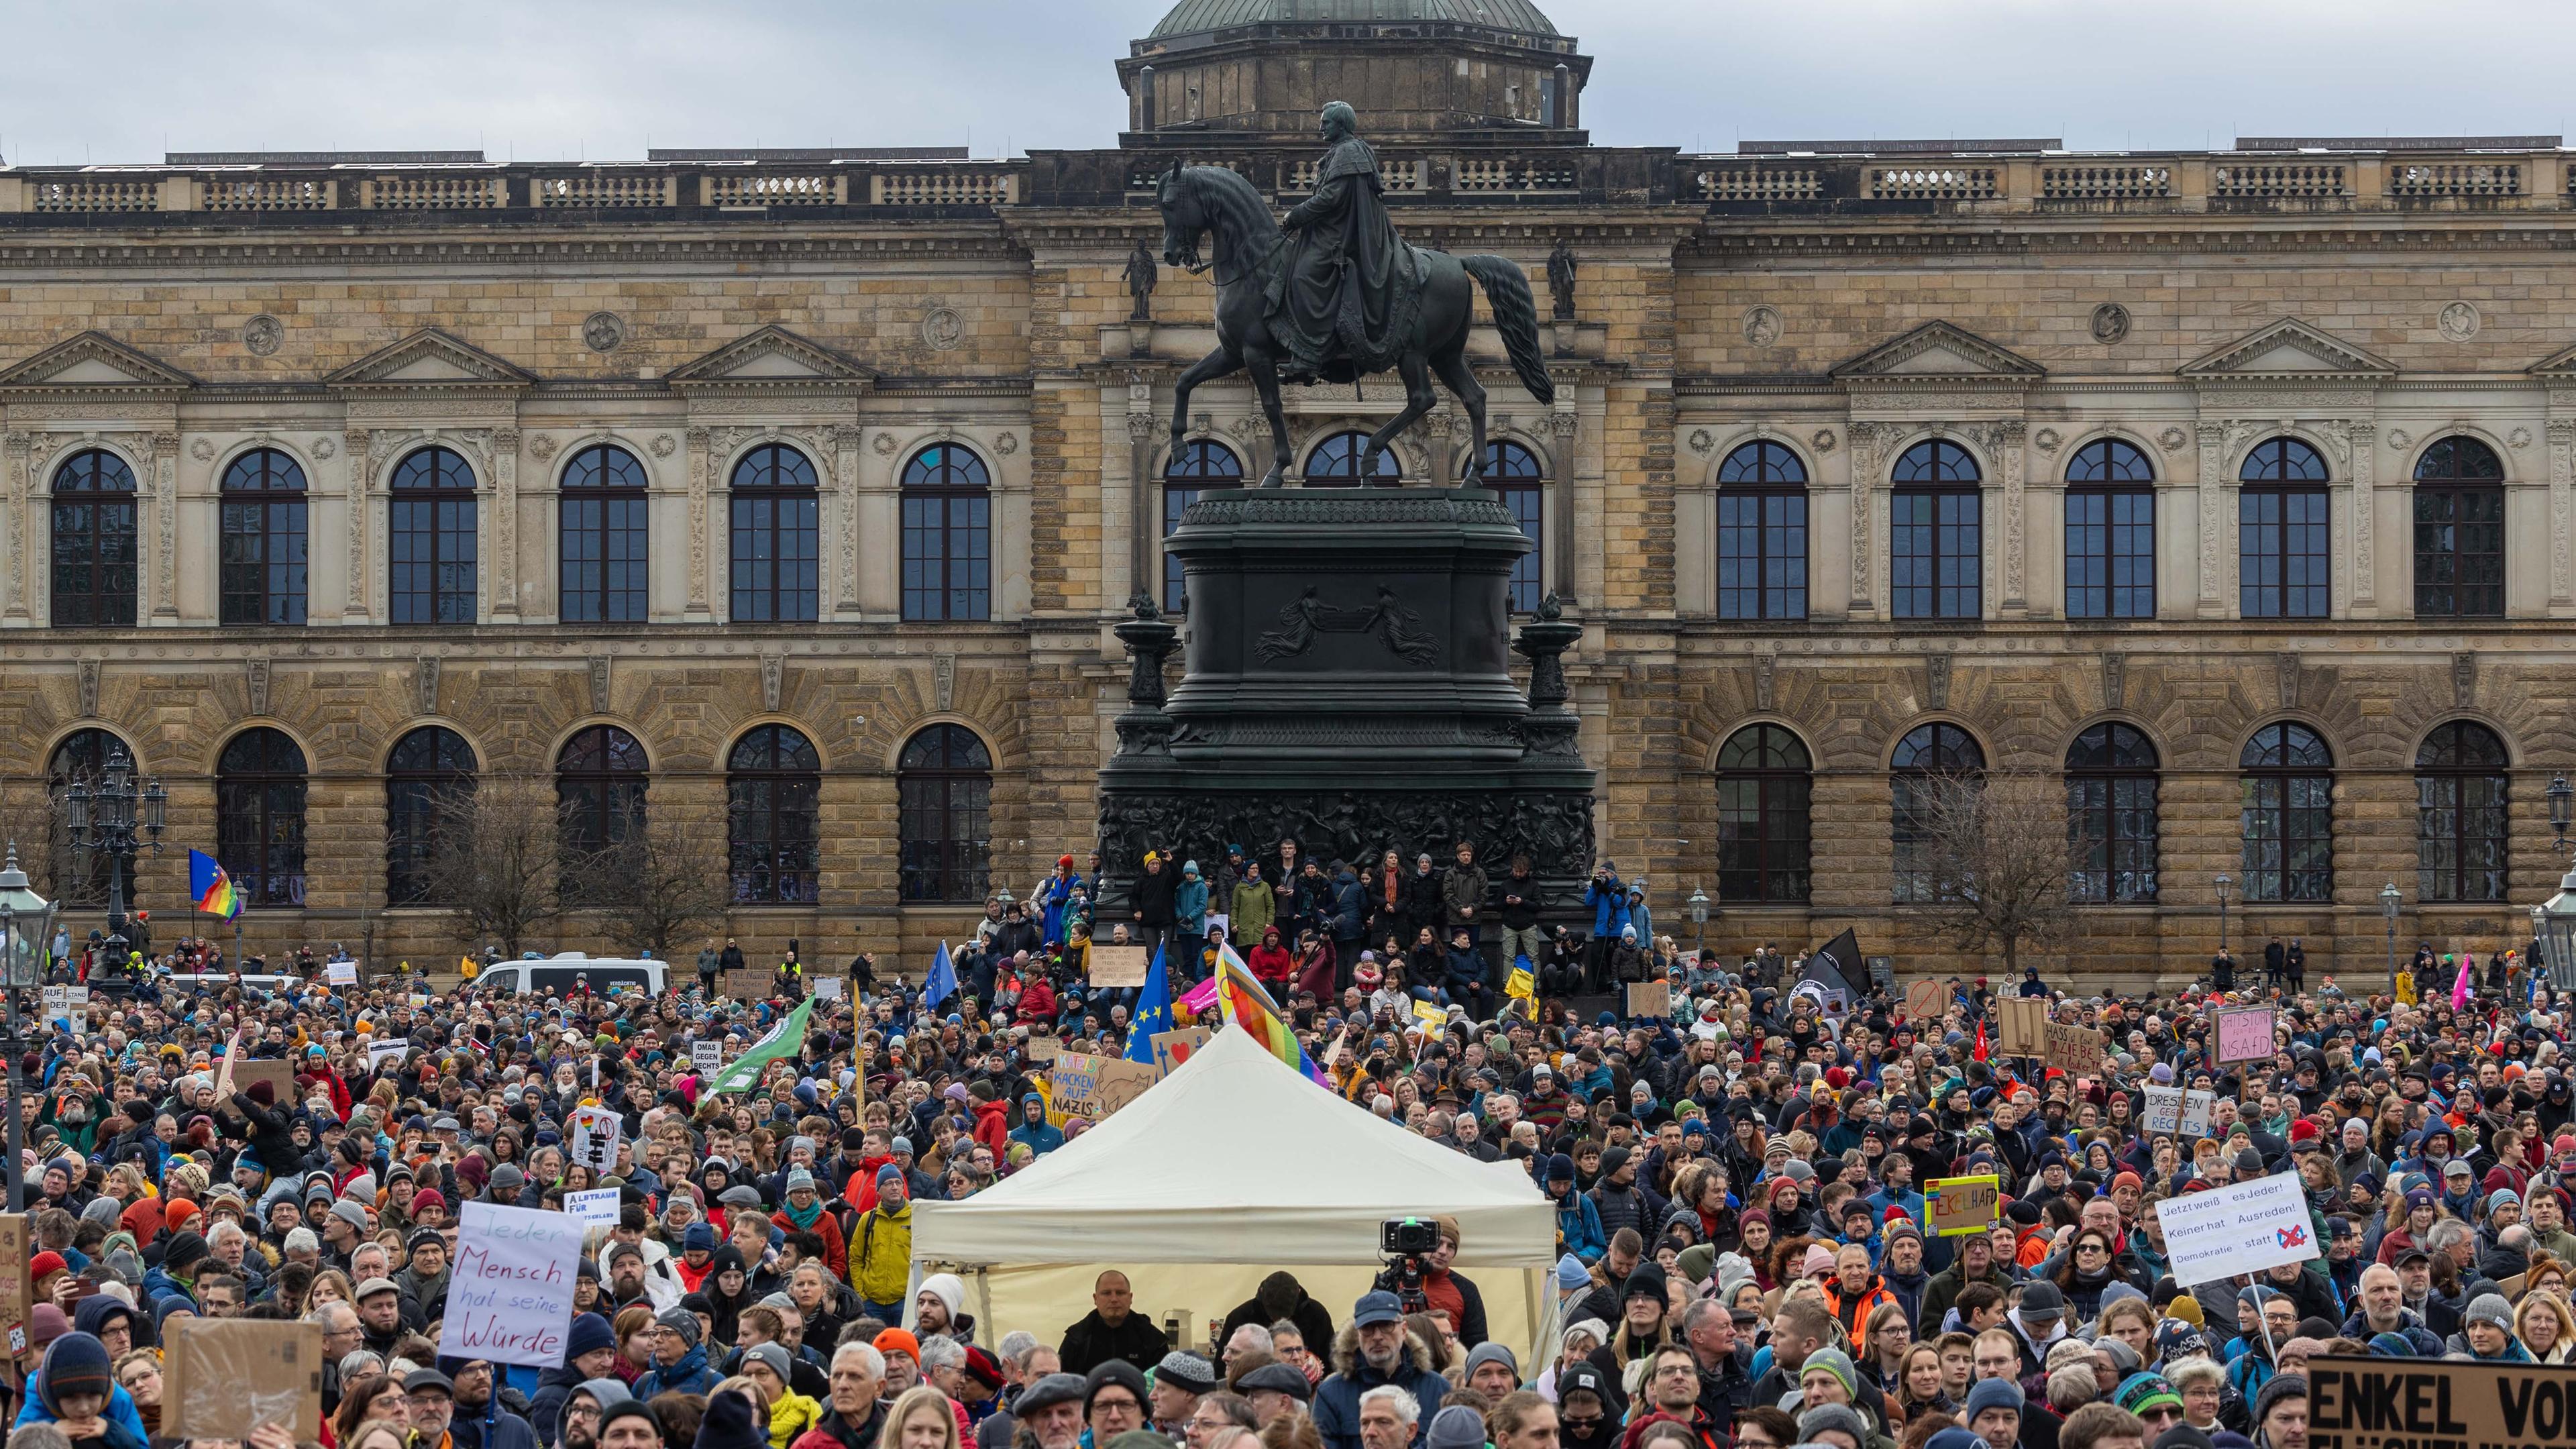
pixel 2239 483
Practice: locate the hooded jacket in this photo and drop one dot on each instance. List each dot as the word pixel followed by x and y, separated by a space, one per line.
pixel 1336 1407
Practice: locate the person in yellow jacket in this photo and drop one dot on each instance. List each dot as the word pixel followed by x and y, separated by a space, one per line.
pixel 2406 985
pixel 790 1413
pixel 881 1248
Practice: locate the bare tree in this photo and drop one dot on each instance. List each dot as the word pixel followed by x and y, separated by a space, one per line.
pixel 658 882
pixel 1994 848
pixel 492 860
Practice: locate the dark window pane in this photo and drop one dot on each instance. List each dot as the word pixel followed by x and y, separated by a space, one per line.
pixel 599 788
pixel 2459 531
pixel 772 826
pixel 259 817
pixel 2460 790
pixel 947 536
pixel 1762 534
pixel 2287 816
pixel 2111 822
pixel 428 767
pixel 944 782
pixel 433 546
pixel 1513 472
pixel 261 550
pixel 1937 555
pixel 1930 757
pixel 95 551
pixel 602 537
pixel 1197 467
pixel 1763 788
pixel 777 545
pixel 1335 462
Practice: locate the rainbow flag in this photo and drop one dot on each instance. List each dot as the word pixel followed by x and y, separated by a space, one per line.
pixel 212 888
pixel 1245 1004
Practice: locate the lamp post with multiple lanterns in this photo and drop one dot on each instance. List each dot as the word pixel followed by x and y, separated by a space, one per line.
pixel 26 931
pixel 103 819
pixel 2553 921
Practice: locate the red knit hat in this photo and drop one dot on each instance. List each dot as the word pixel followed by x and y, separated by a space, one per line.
pixel 44 1263
pixel 2303 1130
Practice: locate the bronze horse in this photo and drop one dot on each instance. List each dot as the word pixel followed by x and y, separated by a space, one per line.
pixel 1250 248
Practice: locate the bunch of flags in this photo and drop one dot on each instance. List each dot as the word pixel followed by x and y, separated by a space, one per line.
pixel 212 888
pixel 1240 997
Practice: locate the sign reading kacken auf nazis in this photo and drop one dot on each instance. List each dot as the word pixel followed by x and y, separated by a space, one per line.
pixel 2415 1403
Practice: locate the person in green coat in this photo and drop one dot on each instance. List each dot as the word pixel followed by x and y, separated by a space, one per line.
pixel 1252 908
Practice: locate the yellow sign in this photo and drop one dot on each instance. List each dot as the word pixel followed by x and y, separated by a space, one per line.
pixel 1432 1018
pixel 1958 1206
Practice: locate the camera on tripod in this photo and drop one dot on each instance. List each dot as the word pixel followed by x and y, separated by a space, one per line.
pixel 1405 1242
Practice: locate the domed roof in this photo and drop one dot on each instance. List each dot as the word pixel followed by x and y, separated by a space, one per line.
pixel 1197 17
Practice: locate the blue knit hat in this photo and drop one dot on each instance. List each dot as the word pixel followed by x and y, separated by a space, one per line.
pixel 1993 1394
pixel 76 1364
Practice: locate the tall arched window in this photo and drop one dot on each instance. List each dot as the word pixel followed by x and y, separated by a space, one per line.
pixel 259 817
pixel 2111 816
pixel 433 539
pixel 2460 814
pixel 1335 462
pixel 1936 535
pixel 2283 539
pixel 600 776
pixel 2459 531
pixel 2288 821
pixel 1199 466
pixel 95 553
pixel 1514 472
pixel 1762 533
pixel 947 535
pixel 945 780
pixel 773 783
pixel 776 537
pixel 262 563
pixel 2110 532
pixel 429 768
pixel 602 536
pixel 81 759
pixel 1764 782
pixel 1930 759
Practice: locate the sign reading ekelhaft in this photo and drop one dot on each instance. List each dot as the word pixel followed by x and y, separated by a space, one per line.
pixel 2244 1227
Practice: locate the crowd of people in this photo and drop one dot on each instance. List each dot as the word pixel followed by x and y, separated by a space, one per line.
pixel 1741 1227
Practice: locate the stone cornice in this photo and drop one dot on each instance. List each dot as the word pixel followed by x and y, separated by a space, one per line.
pixel 251 255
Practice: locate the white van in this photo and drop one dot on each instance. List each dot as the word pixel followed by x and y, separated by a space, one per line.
pixel 562 973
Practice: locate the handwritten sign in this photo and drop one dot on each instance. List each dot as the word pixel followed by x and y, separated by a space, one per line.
pixel 510 1299
pixel 1116 966
pixel 2023 1026
pixel 1925 1001
pixel 382 1053
pixel 706 1057
pixel 2174 1112
pixel 1092 1087
pixel 1957 1206
pixel 595 1135
pixel 2242 1034
pixel 745 983
pixel 1650 998
pixel 1171 1048
pixel 2362 1403
pixel 2244 1227
pixel 1044 1048
pixel 340 973
pixel 2074 1048
pixel 16 1287
pixel 829 988
pixel 279 1075
pixel 597 1207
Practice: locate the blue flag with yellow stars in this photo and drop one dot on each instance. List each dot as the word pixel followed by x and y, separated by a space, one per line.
pixel 1153 1012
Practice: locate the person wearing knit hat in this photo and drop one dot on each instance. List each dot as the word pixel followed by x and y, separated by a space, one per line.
pixel 1455 1427
pixel 76 1383
pixel 1818 1262
pixel 2281 1412
pixel 1828 1377
pixel 733 1421
pixel 1833 1419
pixel 679 1358
pixel 2152 1398
pixel 1994 1412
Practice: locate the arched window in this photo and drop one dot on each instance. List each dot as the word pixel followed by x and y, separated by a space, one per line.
pixel 81 759
pixel 433 539
pixel 2110 532
pixel 1335 462
pixel 259 817
pixel 1199 466
pixel 2111 816
pixel 430 768
pixel 1514 472
pixel 95 553
pixel 1929 761
pixel 2289 815
pixel 1762 534
pixel 945 780
pixel 1764 782
pixel 947 535
pixel 1936 535
pixel 776 537
pixel 2459 531
pixel 599 789
pixel 263 551
pixel 2460 814
pixel 773 783
pixel 602 536
pixel 2283 541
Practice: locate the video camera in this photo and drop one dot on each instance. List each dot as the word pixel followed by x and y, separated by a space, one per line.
pixel 1405 1242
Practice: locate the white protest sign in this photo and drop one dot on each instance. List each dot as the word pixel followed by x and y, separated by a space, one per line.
pixel 341 973
pixel 2164 1110
pixel 595 1132
pixel 595 1208
pixel 381 1052
pixel 2196 1107
pixel 706 1057
pixel 510 1299
pixel 829 988
pixel 2245 1227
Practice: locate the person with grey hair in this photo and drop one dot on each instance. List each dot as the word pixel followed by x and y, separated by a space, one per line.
pixel 1388 1417
pixel 1250 1338
pixel 38 1436
pixel 853 1419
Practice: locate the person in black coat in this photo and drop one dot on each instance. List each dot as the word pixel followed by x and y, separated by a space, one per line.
pixel 267 1128
pixel 1281 1296
pixel 1152 907
pixel 1112 1329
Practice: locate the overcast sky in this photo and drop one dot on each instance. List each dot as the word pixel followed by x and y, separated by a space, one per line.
pixel 125 80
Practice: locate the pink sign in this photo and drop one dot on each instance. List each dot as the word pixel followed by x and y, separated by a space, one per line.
pixel 2243 1034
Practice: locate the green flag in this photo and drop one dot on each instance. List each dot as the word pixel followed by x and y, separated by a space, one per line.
pixel 784 1039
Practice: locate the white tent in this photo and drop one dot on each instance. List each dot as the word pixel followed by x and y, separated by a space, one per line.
pixel 1228 1169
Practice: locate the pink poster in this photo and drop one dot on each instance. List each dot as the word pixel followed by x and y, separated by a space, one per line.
pixel 2244 1034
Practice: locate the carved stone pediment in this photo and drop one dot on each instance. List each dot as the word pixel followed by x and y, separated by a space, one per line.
pixel 1939 352
pixel 2289 351
pixel 93 362
pixel 770 358
pixel 431 360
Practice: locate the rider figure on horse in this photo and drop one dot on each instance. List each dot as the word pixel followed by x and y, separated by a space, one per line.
pixel 1344 305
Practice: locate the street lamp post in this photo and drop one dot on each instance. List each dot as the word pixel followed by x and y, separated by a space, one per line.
pixel 2553 921
pixel 2389 900
pixel 1699 922
pixel 103 819
pixel 26 929
pixel 2224 881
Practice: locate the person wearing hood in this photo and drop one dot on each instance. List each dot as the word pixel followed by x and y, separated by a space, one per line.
pixel 1271 964
pixel 584 1407
pixel 1578 1227
pixel 1281 1297
pixel 1589 1407
pixel 1374 1349
pixel 76 1392
pixel 1189 904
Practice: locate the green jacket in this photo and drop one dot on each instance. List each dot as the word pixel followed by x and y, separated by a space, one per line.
pixel 1252 910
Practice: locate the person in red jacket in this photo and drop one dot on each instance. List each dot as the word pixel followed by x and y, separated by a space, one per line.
pixel 1272 965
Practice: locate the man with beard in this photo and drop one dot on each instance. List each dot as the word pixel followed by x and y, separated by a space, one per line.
pixel 626 1276
pixel 1975 1264
pixel 1374 1351
pixel 854 1418
pixel 424 1277
pixel 1672 1387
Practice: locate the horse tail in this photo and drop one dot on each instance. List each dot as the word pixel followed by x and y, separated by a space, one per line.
pixel 1507 291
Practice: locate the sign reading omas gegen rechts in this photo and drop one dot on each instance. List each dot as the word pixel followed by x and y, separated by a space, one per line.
pixel 2415 1403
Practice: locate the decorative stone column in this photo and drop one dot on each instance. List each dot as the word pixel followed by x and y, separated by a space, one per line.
pixel 2365 517
pixel 845 476
pixel 2007 438
pixel 2562 512
pixel 1150 638
pixel 2213 506
pixel 505 524
pixel 1550 728
pixel 13 461
pixel 161 461
pixel 699 467
pixel 1864 480
pixel 358 448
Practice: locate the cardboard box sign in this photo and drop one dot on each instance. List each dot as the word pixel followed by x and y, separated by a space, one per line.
pixel 2024 1026
pixel 279 1075
pixel 1085 1085
pixel 227 1376
pixel 1119 965
pixel 2378 1403
pixel 16 1247
pixel 1925 1001
pixel 746 983
pixel 1650 998
pixel 2075 1049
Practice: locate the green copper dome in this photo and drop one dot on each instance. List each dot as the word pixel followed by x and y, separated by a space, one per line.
pixel 1198 17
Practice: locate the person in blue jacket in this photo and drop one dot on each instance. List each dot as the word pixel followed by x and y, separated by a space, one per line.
pixel 1608 898
pixel 1041 1135
pixel 76 1393
pixel 1578 1223
pixel 684 1372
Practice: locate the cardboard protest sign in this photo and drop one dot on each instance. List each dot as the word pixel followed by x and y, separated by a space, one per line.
pixel 279 1075
pixel 597 1207
pixel 2196 1107
pixel 225 1377
pixel 2074 1048
pixel 829 988
pixel 2242 1034
pixel 745 983
pixel 1650 998
pixel 2022 1026
pixel 16 1287
pixel 595 1135
pixel 510 1297
pixel 1957 1206
pixel 1092 1087
pixel 1171 1048
pixel 706 1057
pixel 1925 1001
pixel 340 973
pixel 1119 965
pixel 2244 1227
pixel 1044 1048
pixel 381 1052
pixel 2375 1403
pixel 2164 1110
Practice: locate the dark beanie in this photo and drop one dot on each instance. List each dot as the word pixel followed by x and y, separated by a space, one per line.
pixel 729 1423
pixel 76 1364
pixel 263 1092
pixel 611 1413
pixel 184 1249
pixel 590 1332
pixel 1647 1282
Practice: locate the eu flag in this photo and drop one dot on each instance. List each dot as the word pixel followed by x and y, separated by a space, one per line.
pixel 1153 1012
pixel 942 983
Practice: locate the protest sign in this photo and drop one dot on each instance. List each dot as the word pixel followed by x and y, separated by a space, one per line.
pixel 16 1287
pixel 597 1207
pixel 2375 1403
pixel 706 1057
pixel 1650 998
pixel 510 1297
pixel 1092 1087
pixel 2196 1107
pixel 1119 965
pixel 1171 1048
pixel 1925 1001
pixel 744 983
pixel 595 1134
pixel 226 1377
pixel 2244 1227
pixel 2074 1048
pixel 381 1052
pixel 279 1076
pixel 1957 1206
pixel 2164 1110
pixel 1044 1048
pixel 58 1003
pixel 340 973
pixel 2022 1026
pixel 2242 1034
pixel 1219 924
pixel 1431 1018
pixel 829 988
